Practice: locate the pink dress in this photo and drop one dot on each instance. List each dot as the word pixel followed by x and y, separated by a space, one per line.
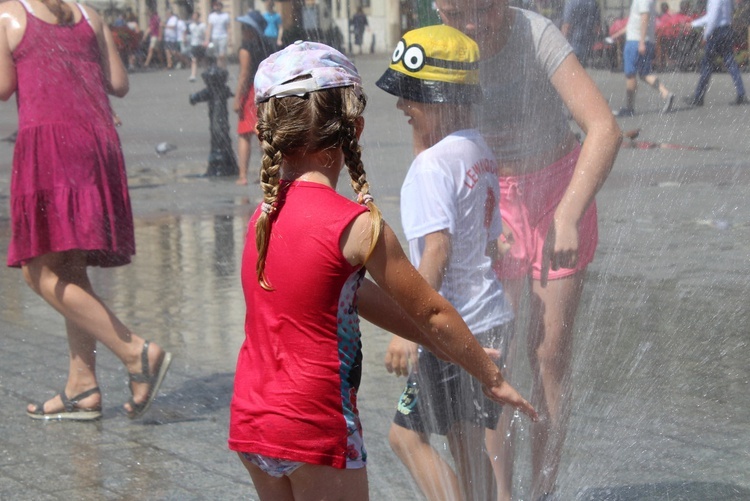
pixel 68 184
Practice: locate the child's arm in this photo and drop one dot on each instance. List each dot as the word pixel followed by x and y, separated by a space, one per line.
pixel 243 81
pixel 441 328
pixel 115 74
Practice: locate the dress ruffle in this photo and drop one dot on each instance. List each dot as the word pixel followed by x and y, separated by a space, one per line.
pixel 69 191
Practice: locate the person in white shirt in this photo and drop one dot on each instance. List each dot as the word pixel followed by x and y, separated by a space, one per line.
pixel 638 54
pixel 450 215
pixel 171 42
pixel 717 37
pixel 218 32
pixel 182 30
pixel 197 49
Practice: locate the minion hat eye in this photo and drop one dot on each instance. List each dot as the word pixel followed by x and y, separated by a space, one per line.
pixel 434 64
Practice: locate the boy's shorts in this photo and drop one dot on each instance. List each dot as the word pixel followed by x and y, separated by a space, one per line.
pixel 198 51
pixel 172 46
pixel 527 207
pixel 635 63
pixel 441 394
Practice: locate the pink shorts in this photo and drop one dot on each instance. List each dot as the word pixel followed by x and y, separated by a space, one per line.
pixel 527 206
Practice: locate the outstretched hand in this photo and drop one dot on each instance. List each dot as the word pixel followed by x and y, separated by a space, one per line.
pixel 504 393
pixel 399 355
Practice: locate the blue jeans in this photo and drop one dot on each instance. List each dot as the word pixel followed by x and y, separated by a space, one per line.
pixel 719 44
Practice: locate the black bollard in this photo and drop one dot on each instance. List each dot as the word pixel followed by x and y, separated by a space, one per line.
pixel 221 160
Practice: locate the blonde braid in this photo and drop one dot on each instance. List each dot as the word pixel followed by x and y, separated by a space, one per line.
pixel 353 107
pixel 269 181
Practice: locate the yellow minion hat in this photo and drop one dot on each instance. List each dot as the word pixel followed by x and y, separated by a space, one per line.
pixel 434 64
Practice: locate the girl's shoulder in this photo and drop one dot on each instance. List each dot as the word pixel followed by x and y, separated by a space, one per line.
pixel 11 11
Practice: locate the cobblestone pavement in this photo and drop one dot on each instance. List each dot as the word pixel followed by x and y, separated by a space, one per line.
pixel 661 384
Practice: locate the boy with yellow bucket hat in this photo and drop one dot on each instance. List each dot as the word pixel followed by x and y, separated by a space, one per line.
pixel 450 216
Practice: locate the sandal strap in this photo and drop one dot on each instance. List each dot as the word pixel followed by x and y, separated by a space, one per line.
pixel 144 376
pixel 70 404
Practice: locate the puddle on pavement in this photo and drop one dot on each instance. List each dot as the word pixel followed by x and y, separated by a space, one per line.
pixel 182 288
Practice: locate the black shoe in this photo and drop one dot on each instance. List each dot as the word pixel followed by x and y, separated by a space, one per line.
pixel 624 112
pixel 692 101
pixel 668 103
pixel 740 101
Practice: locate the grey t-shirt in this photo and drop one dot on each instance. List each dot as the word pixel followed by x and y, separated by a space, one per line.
pixel 522 114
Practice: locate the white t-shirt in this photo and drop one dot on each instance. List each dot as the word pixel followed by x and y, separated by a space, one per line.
pixel 633 28
pixel 219 22
pixel 181 30
pixel 197 33
pixel 170 29
pixel 453 186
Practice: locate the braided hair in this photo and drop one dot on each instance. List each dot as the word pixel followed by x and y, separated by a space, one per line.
pixel 317 121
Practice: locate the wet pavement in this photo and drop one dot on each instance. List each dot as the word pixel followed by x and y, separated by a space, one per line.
pixel 661 381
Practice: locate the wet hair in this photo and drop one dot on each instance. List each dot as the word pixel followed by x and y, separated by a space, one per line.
pixel 317 121
pixel 61 11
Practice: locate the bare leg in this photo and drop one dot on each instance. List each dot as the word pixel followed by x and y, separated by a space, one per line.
pixel 501 442
pixel 193 67
pixel 631 84
pixel 325 483
pixel 61 279
pixel 310 483
pixel 149 56
pixel 473 467
pixel 433 475
pixel 244 151
pixel 267 486
pixel 550 348
pixel 656 84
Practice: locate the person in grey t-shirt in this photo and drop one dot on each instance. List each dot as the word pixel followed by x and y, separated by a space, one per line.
pixel 548 181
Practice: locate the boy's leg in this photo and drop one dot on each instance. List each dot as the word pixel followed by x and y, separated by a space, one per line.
pixel 630 67
pixel 631 85
pixel 501 442
pixel 473 468
pixel 654 82
pixel 433 475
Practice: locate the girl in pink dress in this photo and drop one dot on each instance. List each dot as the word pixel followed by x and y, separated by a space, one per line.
pixel 70 207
